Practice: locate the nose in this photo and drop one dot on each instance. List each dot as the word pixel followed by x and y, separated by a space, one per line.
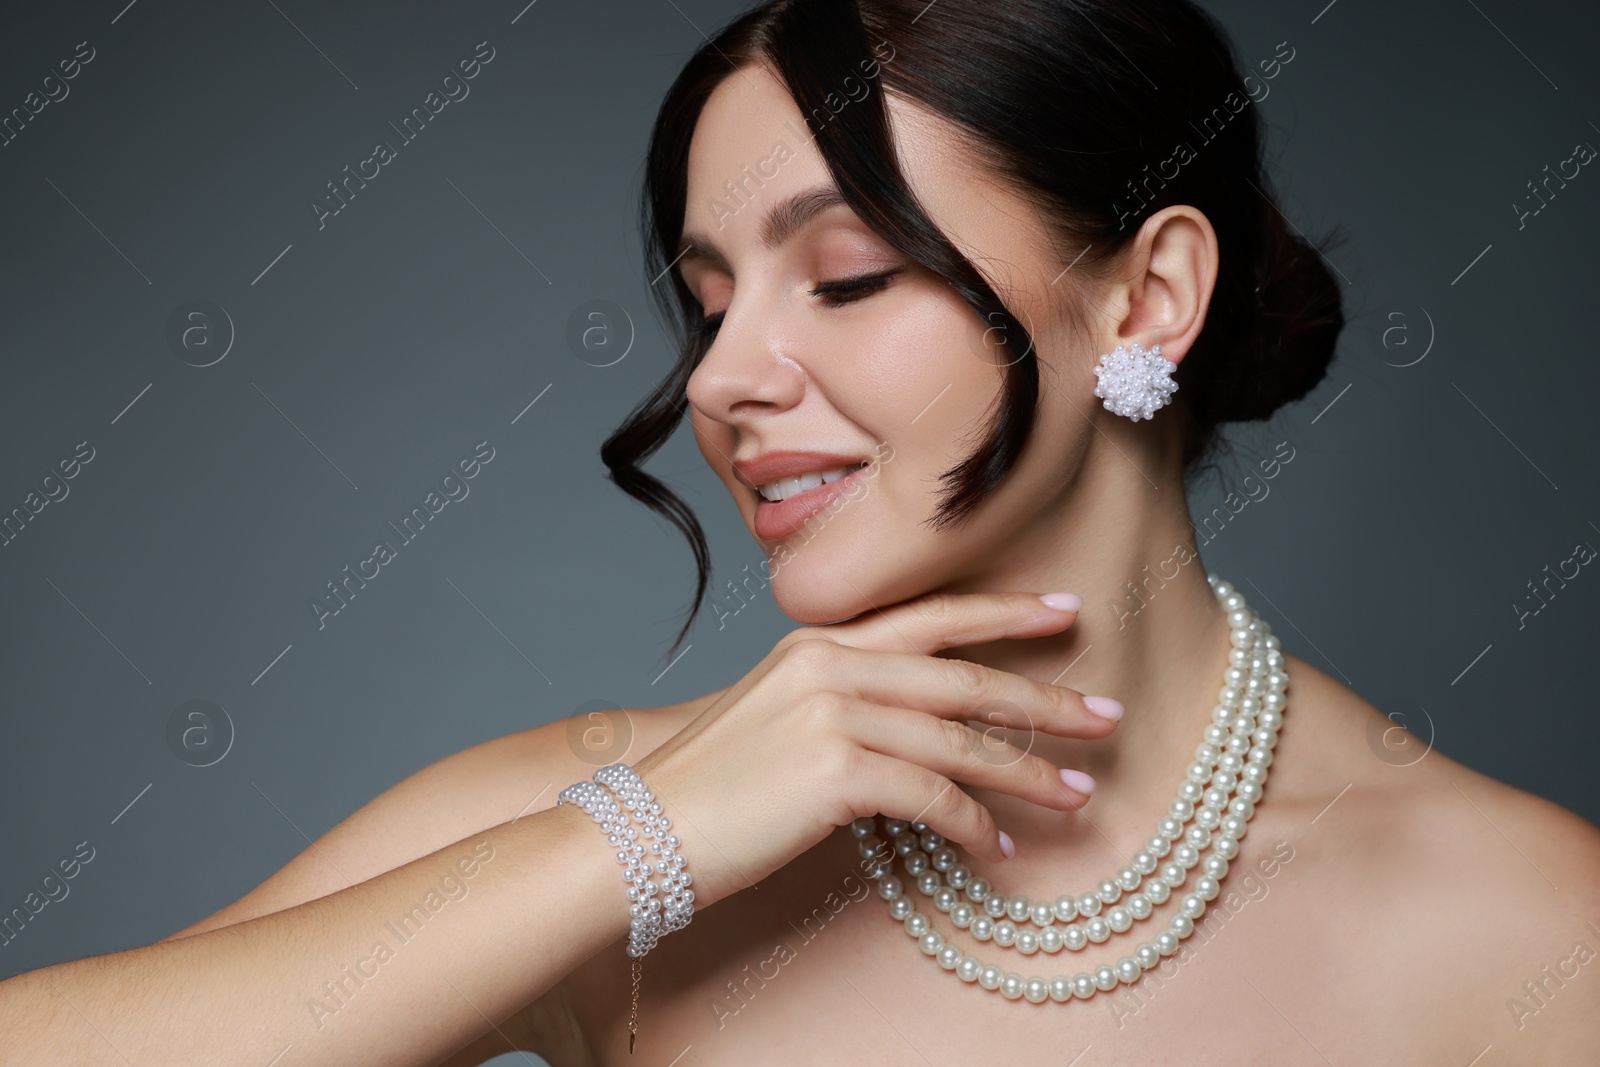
pixel 745 374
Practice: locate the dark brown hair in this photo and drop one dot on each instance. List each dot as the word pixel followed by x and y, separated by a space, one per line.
pixel 1079 105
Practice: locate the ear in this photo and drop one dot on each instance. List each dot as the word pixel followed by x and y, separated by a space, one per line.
pixel 1171 273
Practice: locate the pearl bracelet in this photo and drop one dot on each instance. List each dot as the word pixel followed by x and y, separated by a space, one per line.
pixel 677 906
pixel 655 908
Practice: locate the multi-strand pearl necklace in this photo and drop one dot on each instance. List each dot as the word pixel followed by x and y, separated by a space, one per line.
pixel 1216 800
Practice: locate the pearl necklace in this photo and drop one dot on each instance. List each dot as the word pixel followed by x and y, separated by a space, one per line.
pixel 1219 793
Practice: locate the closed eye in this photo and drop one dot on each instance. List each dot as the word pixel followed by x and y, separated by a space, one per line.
pixel 841 292
pixel 834 294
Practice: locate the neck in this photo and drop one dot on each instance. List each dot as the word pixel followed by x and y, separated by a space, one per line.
pixel 1150 634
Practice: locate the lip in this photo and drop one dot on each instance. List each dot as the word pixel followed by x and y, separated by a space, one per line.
pixel 768 467
pixel 775 521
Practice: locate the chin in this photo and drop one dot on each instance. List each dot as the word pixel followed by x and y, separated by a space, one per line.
pixel 816 588
pixel 822 610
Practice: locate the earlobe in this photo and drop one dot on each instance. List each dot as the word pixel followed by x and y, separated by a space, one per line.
pixel 1135 383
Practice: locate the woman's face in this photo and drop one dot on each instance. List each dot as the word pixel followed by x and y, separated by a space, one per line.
pixel 894 369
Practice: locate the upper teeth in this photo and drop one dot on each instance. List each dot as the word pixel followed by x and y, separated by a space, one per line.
pixel 784 488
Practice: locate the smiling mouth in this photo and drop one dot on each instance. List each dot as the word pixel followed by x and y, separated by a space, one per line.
pixel 785 488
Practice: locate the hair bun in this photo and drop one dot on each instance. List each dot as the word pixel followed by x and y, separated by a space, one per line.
pixel 1290 334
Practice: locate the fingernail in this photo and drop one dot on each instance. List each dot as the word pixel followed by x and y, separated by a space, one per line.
pixel 1077 780
pixel 1006 845
pixel 1062 601
pixel 1105 707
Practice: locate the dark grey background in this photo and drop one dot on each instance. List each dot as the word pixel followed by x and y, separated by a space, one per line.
pixel 1447 460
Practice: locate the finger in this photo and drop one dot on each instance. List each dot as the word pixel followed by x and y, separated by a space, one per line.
pixel 955 688
pixel 953 750
pixel 902 790
pixel 945 620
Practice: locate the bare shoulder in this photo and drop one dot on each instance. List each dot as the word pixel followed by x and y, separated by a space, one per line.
pixel 1486 895
pixel 1517 926
pixel 484 785
pixel 1338 748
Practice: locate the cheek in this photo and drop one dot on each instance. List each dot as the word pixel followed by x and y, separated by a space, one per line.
pixel 709 434
pixel 922 384
pixel 716 445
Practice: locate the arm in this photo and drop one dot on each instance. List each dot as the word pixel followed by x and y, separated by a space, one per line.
pixel 544 896
pixel 453 798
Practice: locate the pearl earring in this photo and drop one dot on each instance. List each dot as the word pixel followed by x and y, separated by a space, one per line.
pixel 1135 383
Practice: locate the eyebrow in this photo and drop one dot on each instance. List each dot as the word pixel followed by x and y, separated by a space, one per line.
pixel 780 223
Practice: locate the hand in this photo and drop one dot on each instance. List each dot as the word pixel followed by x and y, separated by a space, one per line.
pixel 841 721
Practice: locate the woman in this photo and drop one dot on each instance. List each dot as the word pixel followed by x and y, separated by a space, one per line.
pixel 916 238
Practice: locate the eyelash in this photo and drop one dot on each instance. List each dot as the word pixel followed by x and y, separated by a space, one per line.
pixel 834 294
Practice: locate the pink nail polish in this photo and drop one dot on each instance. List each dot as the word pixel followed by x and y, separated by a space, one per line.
pixel 1105 707
pixel 1062 601
pixel 1006 845
pixel 1077 780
